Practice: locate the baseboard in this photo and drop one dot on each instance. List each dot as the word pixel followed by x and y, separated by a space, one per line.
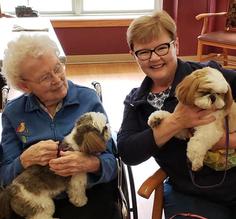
pixel 188 58
pixel 109 58
pixel 220 59
pixel 103 58
pixel 116 58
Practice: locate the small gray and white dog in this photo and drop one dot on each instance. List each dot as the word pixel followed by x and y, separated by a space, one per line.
pixel 31 193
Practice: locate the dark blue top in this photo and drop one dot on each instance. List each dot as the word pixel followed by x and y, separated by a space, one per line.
pixel 136 143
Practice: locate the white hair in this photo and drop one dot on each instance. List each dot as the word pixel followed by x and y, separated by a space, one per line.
pixel 18 50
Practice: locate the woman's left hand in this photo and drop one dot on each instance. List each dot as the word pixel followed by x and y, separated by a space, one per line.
pixel 221 144
pixel 72 162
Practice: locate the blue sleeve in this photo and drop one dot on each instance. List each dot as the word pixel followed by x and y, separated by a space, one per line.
pixel 10 150
pixel 108 169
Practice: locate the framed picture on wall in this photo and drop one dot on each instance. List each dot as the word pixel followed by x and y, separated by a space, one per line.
pixel 231 16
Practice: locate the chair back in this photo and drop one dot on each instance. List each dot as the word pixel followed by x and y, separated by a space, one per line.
pixel 231 16
pixel 218 45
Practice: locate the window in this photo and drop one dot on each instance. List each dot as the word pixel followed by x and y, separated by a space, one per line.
pixel 84 7
pixel 117 5
pixel 50 6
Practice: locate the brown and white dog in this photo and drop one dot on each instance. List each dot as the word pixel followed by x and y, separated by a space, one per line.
pixel 31 193
pixel 205 88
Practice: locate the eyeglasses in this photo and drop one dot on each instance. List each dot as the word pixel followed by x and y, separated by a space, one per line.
pixel 48 77
pixel 161 50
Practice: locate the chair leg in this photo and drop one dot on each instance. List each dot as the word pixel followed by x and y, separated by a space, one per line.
pixel 225 56
pixel 158 203
pixel 199 51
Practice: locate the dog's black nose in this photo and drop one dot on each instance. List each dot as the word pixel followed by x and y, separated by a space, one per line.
pixel 213 98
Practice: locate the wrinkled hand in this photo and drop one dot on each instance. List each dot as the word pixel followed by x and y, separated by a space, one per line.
pixel 40 153
pixel 191 116
pixel 72 162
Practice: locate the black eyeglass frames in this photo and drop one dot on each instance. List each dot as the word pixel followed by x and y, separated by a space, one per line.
pixel 160 50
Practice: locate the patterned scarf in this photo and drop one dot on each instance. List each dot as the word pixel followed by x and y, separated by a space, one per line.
pixel 157 99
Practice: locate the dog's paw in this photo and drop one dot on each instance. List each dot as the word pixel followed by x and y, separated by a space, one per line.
pixel 197 164
pixel 195 156
pixel 156 117
pixel 79 200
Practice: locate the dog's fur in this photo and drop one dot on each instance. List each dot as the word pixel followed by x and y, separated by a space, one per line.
pixel 207 89
pixel 31 193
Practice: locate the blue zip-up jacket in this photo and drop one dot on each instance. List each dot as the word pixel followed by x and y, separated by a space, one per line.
pixel 136 143
pixel 24 123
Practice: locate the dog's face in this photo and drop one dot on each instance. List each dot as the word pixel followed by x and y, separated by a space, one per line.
pixel 90 133
pixel 205 88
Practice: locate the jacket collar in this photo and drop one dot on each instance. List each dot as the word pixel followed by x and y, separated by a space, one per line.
pixel 71 98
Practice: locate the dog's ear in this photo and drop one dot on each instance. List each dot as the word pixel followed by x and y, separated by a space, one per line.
pixel 228 100
pixel 186 89
pixel 93 143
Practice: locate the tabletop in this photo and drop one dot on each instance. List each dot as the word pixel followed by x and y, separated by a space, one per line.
pixel 13 27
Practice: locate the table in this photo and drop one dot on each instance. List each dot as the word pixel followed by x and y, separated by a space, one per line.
pixel 12 27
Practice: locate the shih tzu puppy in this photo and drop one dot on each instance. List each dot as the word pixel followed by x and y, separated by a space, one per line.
pixel 31 193
pixel 205 88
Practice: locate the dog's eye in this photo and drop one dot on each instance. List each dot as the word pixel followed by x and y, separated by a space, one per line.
pixel 105 128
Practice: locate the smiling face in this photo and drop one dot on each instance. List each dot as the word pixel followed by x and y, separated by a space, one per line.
pixel 44 76
pixel 161 69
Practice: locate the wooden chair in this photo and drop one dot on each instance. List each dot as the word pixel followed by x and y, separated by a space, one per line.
pixel 224 39
pixel 154 184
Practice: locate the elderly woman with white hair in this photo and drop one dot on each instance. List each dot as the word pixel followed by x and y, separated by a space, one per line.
pixel 36 121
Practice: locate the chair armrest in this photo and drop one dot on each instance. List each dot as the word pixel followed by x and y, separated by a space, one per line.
pixel 205 17
pixel 152 183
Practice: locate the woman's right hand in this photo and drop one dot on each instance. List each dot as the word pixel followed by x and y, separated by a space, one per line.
pixel 183 117
pixel 40 153
pixel 191 116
